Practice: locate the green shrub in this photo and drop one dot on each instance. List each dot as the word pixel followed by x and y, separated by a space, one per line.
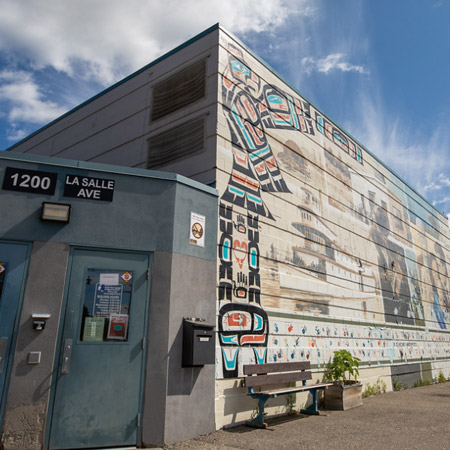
pixel 343 362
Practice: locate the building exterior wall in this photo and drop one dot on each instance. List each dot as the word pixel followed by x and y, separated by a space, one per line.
pixel 150 212
pixel 320 246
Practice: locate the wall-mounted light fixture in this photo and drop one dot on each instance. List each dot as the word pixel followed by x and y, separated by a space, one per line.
pixel 56 212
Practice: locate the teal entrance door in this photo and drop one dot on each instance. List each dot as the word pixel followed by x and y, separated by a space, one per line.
pixel 97 398
pixel 13 259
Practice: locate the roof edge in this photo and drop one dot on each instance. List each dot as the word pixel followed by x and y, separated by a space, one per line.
pixel 108 168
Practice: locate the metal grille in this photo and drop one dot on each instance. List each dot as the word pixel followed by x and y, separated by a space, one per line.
pixel 179 91
pixel 175 144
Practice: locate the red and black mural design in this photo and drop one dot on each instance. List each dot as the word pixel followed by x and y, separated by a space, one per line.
pixel 250 106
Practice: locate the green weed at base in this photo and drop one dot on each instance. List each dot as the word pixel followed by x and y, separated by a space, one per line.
pixel 377 388
pixel 397 385
pixel 441 378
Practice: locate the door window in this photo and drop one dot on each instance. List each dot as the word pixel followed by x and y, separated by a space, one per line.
pixel 106 308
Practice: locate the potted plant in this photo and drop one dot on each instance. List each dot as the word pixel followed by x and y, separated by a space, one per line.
pixel 346 392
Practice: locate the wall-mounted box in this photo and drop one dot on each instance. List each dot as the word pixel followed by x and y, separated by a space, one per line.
pixel 198 343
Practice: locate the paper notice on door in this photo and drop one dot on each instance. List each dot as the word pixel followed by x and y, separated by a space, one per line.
pixel 109 279
pixel 93 328
pixel 108 299
pixel 118 324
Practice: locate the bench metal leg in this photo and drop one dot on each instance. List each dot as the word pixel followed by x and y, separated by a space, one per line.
pixel 258 421
pixel 313 408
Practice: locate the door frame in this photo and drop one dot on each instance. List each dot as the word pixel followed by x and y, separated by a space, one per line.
pixel 16 326
pixel 59 339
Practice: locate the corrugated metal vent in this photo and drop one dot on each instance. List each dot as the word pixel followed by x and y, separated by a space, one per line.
pixel 179 91
pixel 177 143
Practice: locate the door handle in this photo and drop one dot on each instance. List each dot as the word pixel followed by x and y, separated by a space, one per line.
pixel 66 357
pixel 3 347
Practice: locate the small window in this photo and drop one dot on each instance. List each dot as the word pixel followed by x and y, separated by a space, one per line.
pixel 178 91
pixel 177 143
pixel 106 307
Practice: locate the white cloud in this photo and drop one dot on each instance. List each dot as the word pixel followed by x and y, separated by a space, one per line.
pixel 26 101
pixel 441 201
pixel 14 134
pixel 332 62
pixel 441 182
pixel 106 40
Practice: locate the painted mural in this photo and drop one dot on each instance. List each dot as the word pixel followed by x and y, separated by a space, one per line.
pixel 320 247
pixel 250 106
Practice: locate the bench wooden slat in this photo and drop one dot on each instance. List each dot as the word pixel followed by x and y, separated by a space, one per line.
pixel 288 377
pixel 292 389
pixel 254 369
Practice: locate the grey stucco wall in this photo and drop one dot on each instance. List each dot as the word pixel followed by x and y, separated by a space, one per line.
pixel 179 402
pixel 191 391
pixel 140 217
pixel 153 419
pixel 29 387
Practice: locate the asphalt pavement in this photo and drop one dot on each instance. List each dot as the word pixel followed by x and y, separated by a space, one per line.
pixel 416 418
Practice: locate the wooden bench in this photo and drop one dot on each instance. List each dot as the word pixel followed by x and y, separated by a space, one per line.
pixel 263 382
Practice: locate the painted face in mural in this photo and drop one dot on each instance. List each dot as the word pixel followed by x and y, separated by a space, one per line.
pixel 247 79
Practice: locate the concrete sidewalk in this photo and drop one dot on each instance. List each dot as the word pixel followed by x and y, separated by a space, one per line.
pixel 417 418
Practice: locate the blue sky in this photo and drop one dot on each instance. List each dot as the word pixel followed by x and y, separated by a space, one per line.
pixel 378 68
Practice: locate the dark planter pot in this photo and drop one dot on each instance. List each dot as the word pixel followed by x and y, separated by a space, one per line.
pixel 342 397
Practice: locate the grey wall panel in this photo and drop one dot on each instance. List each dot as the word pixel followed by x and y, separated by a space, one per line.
pixel 129 109
pixel 190 402
pixel 140 217
pixel 179 402
pixel 184 205
pixel 153 418
pixel 405 375
pixel 29 388
pixel 130 154
pixel 129 129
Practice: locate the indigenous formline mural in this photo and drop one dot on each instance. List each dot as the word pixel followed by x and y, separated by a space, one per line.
pixel 320 246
